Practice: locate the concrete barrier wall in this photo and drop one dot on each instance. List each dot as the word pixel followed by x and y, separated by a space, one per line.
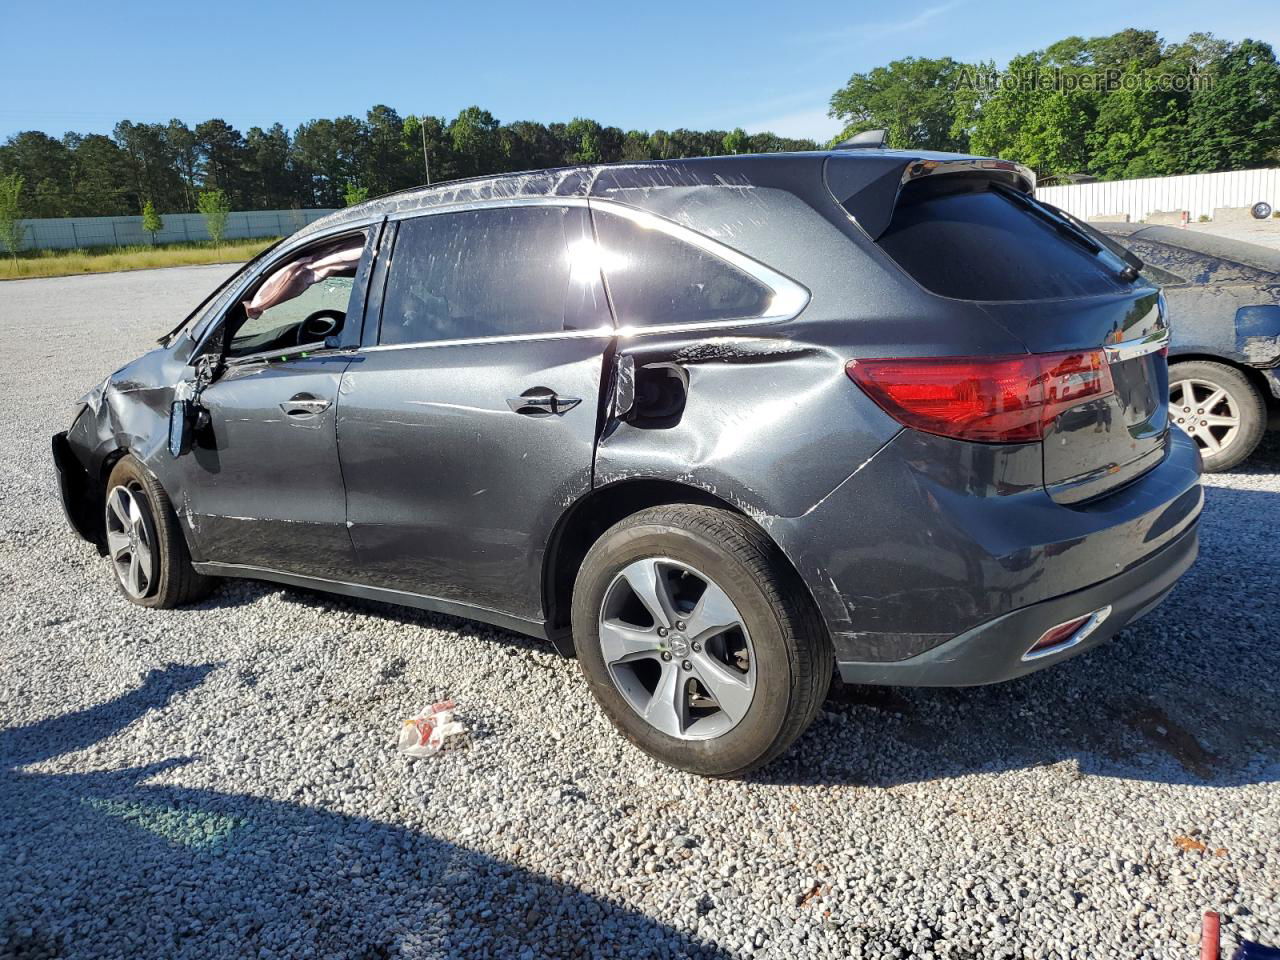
pixel 1199 194
pixel 69 233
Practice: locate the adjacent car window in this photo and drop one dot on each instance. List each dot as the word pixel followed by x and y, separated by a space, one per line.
pixel 492 272
pixel 655 278
pixel 962 239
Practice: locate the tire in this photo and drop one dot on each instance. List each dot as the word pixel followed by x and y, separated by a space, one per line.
pixel 147 551
pixel 1192 383
pixel 1261 210
pixel 778 651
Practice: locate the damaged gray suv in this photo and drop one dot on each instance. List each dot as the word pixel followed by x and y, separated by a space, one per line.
pixel 717 427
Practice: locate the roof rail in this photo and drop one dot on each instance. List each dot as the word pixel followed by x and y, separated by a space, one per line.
pixel 866 140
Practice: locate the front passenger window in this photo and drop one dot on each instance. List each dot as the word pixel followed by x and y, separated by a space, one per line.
pixel 300 301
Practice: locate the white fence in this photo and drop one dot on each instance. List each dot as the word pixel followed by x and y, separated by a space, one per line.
pixel 68 233
pixel 1198 193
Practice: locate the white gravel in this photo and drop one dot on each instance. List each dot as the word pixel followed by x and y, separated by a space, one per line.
pixel 221 781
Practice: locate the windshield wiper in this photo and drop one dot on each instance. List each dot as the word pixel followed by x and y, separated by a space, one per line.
pixel 1073 231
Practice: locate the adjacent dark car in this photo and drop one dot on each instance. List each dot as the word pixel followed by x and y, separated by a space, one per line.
pixel 715 426
pixel 1224 358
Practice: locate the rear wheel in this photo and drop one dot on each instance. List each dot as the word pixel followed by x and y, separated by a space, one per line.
pixel 697 639
pixel 144 543
pixel 1218 408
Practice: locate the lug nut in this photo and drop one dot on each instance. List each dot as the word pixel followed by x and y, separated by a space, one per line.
pixel 696 646
pixel 666 656
pixel 662 631
pixel 679 624
pixel 1199 411
pixel 687 665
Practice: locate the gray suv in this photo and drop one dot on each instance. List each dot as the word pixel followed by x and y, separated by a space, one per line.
pixel 717 427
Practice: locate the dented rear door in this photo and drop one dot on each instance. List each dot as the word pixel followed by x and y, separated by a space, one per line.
pixel 468 425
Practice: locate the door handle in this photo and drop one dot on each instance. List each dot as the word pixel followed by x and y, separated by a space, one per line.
pixel 534 402
pixel 304 405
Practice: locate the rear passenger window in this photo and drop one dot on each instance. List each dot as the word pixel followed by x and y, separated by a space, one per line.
pixel 490 273
pixel 960 239
pixel 655 278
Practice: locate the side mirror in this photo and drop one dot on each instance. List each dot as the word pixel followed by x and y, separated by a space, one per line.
pixel 182 426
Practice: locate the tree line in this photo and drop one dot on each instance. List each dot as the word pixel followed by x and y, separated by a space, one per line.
pixel 1119 106
pixel 322 163
pixel 1114 107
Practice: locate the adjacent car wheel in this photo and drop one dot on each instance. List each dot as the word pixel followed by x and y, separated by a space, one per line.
pixel 144 543
pixel 1219 409
pixel 698 640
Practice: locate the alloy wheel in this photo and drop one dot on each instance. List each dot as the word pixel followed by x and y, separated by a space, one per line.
pixel 1206 412
pixel 677 649
pixel 130 543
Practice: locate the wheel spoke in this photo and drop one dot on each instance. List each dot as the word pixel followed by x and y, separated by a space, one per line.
pixel 143 554
pixel 1215 420
pixel 731 689
pixel 714 614
pixel 135 575
pixel 1210 442
pixel 667 709
pixel 119 506
pixel 650 587
pixel 620 642
pixel 117 543
pixel 1212 400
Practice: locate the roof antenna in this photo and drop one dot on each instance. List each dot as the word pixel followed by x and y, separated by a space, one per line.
pixel 866 140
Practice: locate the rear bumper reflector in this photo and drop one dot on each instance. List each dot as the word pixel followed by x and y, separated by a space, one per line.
pixel 1066 635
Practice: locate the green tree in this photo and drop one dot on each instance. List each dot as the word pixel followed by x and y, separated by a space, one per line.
pixel 151 221
pixel 735 141
pixel 583 137
pixel 1234 123
pixel 99 177
pixel 11 229
pixel 355 194
pixel 913 99
pixel 474 139
pixel 216 208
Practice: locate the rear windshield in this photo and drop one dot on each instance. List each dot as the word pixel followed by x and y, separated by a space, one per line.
pixel 966 239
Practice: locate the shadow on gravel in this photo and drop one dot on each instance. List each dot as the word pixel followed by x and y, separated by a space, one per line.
pixel 104 864
pixel 1187 695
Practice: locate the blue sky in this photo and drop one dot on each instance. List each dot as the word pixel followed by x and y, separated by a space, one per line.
pixel 83 66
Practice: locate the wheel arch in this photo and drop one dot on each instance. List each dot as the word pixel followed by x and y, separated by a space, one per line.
pixel 1256 378
pixel 594 513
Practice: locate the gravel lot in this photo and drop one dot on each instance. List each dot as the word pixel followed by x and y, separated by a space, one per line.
pixel 221 781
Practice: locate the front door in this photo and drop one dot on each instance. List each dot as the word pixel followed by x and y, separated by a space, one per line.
pixel 470 425
pixel 262 485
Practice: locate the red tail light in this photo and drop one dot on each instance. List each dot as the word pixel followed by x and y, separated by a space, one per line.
pixel 987 399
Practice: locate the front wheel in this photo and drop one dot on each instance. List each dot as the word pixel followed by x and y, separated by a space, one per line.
pixel 1219 409
pixel 698 640
pixel 147 550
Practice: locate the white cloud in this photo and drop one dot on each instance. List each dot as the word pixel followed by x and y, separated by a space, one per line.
pixel 911 23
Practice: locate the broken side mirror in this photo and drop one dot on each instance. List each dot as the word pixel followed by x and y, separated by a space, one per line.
pixel 182 426
pixel 186 415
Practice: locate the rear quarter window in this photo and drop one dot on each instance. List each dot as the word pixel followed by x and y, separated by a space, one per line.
pixel 655 278
pixel 969 242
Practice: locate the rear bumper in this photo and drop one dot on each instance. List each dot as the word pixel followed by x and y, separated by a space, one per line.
pixel 78 502
pixel 934 542
pixel 993 652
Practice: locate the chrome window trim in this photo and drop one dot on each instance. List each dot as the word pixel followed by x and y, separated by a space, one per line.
pixel 789 297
